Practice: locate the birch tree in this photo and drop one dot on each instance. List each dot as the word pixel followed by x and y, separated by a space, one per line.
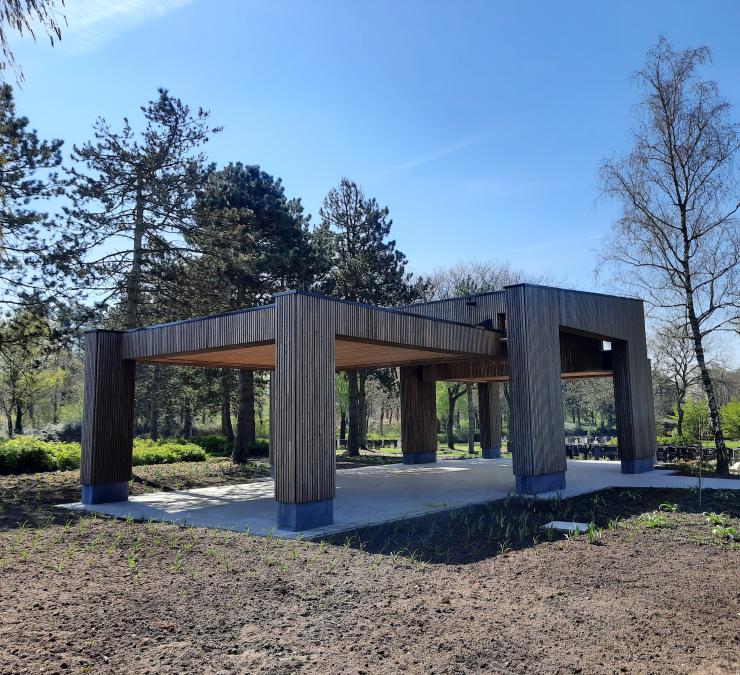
pixel 676 241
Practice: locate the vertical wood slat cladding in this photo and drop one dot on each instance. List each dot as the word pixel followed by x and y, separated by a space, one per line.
pixel 633 402
pixel 579 354
pixel 303 426
pixel 250 326
pixel 108 410
pixel 474 309
pixel 418 412
pixel 489 410
pixel 536 424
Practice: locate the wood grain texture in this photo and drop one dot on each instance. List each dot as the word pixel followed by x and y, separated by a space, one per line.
pixel 536 425
pixel 303 396
pixel 108 410
pixel 418 412
pixel 252 326
pixel 633 402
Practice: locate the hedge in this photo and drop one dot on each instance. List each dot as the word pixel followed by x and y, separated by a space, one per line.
pixel 28 454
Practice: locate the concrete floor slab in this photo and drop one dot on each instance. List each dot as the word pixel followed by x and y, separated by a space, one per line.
pixel 372 495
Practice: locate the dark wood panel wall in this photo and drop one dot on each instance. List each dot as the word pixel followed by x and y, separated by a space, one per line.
pixel 633 402
pixel 536 425
pixel 251 326
pixel 484 308
pixel 303 397
pixel 108 410
pixel 418 413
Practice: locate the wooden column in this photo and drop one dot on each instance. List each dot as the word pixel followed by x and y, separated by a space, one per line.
pixel 633 400
pixel 418 417
pixel 489 410
pixel 536 423
pixel 303 417
pixel 107 419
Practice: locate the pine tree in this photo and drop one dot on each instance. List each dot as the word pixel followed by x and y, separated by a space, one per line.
pixel 133 199
pixel 365 267
pixel 253 242
pixel 36 255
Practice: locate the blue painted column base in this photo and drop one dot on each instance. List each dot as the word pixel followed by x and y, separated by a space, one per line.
pixel 545 482
pixel 639 465
pixel 105 492
pixel 419 457
pixel 491 453
pixel 305 515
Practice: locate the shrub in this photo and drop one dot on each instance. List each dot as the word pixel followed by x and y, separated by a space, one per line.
pixel 213 444
pixel 27 454
pixel 147 451
pixel 260 447
pixel 729 416
pixel 675 440
pixel 68 432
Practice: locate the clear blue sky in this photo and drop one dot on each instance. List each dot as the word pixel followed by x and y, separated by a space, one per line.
pixel 480 124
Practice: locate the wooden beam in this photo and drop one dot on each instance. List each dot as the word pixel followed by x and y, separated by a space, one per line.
pixel 418 417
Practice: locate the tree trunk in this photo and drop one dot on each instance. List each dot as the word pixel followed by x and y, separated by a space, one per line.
pixel 18 428
pixel 187 420
pixel 245 430
pixel 342 424
pixel 226 427
pixel 471 419
pixel 353 440
pixel 55 405
pixel 507 396
pixel 723 460
pixel 450 418
pixel 362 404
pixel 9 420
pixel 133 280
pixel 679 417
pixel 154 406
pixel 382 419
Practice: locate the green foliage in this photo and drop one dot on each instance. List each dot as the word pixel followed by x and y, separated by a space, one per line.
pixel 260 447
pixel 28 454
pixel 729 416
pixel 696 423
pixel 166 452
pixel 213 444
pixel 675 440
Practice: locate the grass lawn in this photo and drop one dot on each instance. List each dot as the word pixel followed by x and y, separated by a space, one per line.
pixel 652 588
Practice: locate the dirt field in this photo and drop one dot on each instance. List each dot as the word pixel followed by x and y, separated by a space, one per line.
pixel 650 591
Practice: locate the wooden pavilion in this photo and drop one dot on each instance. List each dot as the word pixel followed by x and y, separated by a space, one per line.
pixel 530 336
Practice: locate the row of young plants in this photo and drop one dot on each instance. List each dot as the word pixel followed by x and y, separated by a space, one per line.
pixel 30 454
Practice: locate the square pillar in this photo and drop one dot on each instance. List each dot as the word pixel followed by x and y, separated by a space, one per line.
pixel 418 417
pixel 302 417
pixel 489 410
pixel 633 403
pixel 107 419
pixel 536 424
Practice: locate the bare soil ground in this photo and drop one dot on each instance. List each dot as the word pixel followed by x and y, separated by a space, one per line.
pixel 648 591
